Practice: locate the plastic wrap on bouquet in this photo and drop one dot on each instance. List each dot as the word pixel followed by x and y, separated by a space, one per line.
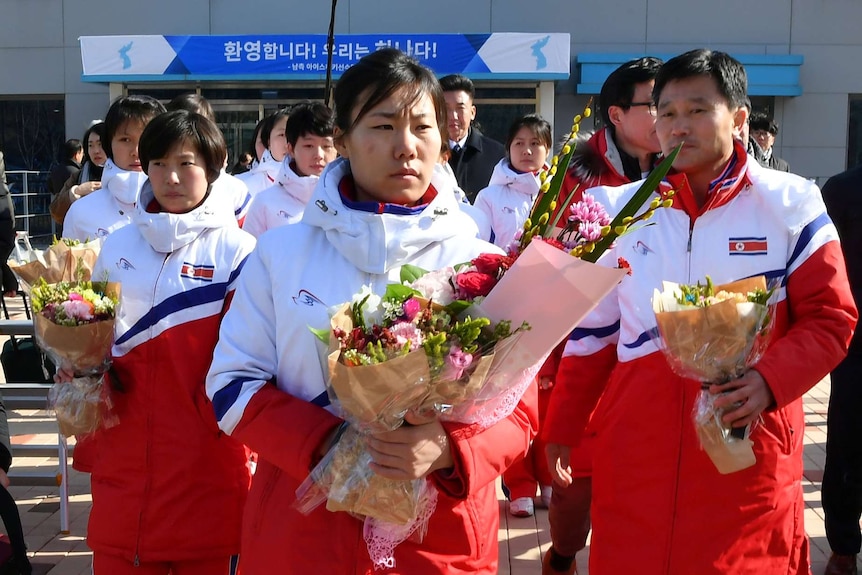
pixel 83 405
pixel 58 263
pixel 715 344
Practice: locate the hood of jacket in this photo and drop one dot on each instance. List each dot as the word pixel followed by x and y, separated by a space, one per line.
pixel 268 165
pixel 167 232
pixel 504 175
pixel 378 242
pixel 298 187
pixel 123 184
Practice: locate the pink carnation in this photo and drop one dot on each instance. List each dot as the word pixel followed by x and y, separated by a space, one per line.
pixel 411 307
pixel 405 332
pixel 456 362
pixel 78 309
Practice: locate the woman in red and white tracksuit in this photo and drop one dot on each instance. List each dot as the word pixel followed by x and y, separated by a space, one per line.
pixel 379 207
pixel 168 486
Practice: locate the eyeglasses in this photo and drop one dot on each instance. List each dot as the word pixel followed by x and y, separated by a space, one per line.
pixel 650 106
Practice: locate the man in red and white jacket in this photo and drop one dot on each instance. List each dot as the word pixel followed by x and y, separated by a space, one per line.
pixel 659 504
pixel 621 152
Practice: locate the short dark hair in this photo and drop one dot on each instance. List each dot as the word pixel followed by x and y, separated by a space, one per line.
pixel 458 83
pixel 760 121
pixel 193 103
pixel 537 124
pixel 309 118
pixel 728 73
pixel 171 128
pixel 71 147
pixel 619 87
pixel 379 75
pixel 135 108
pixel 269 123
pixel 99 129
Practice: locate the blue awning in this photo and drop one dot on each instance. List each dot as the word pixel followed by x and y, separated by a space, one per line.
pixel 768 75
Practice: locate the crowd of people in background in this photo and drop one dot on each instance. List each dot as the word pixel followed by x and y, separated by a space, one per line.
pixel 213 366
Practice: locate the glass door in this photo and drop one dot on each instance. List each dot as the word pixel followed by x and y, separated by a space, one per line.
pixel 237 122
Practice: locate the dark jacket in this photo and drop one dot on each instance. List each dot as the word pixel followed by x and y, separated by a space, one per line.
pixel 61 173
pixel 777 163
pixel 7 231
pixel 843 197
pixel 475 164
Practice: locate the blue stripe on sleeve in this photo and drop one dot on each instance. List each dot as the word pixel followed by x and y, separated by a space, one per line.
pixel 806 235
pixel 239 210
pixel 599 332
pixel 321 400
pixel 224 398
pixel 643 338
pixel 180 301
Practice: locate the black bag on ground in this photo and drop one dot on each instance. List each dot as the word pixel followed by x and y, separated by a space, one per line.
pixel 22 359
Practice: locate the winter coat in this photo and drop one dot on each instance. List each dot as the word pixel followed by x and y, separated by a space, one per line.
pixel 282 203
pixel 841 195
pixel 235 193
pixel 106 210
pixel 657 498
pixel 268 374
pixel 475 163
pixel 167 484
pixel 506 203
pixel 262 175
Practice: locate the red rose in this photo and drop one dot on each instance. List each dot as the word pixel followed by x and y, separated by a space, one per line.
pixel 474 284
pixel 488 263
pixel 492 264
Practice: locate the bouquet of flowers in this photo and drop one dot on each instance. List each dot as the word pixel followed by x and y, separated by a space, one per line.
pixel 65 260
pixel 74 325
pixel 414 349
pixel 715 334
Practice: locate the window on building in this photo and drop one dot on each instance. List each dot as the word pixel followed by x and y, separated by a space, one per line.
pixel 854 132
pixel 32 131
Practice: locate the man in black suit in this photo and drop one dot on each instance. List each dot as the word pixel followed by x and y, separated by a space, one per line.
pixel 764 129
pixel 474 155
pixel 842 475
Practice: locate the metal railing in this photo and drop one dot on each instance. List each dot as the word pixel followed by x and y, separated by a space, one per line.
pixel 32 200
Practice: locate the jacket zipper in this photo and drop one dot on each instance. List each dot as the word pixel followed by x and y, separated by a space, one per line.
pixel 137 561
pixel 688 251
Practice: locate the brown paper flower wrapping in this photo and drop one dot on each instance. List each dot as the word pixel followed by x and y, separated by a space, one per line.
pixel 83 349
pixel 714 343
pixel 61 263
pixel 376 398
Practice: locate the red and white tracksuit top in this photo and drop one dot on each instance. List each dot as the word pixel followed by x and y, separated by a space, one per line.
pixel 268 373
pixel 167 484
pixel 658 502
pixel 282 203
pixel 97 215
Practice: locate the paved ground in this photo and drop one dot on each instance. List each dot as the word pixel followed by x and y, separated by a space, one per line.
pixel 521 541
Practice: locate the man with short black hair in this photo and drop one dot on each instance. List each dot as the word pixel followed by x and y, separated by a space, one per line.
pixel 70 165
pixel 659 504
pixel 764 130
pixel 473 155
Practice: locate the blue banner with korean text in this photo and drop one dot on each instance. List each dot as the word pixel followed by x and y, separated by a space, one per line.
pixel 526 56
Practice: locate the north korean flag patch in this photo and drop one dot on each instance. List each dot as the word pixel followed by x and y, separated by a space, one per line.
pixel 747 246
pixel 202 273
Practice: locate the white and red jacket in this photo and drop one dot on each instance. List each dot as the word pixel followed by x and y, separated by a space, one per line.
pixel 267 383
pixel 282 203
pixel 97 215
pixel 657 498
pixel 234 191
pixel 506 202
pixel 167 484
pixel 261 176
